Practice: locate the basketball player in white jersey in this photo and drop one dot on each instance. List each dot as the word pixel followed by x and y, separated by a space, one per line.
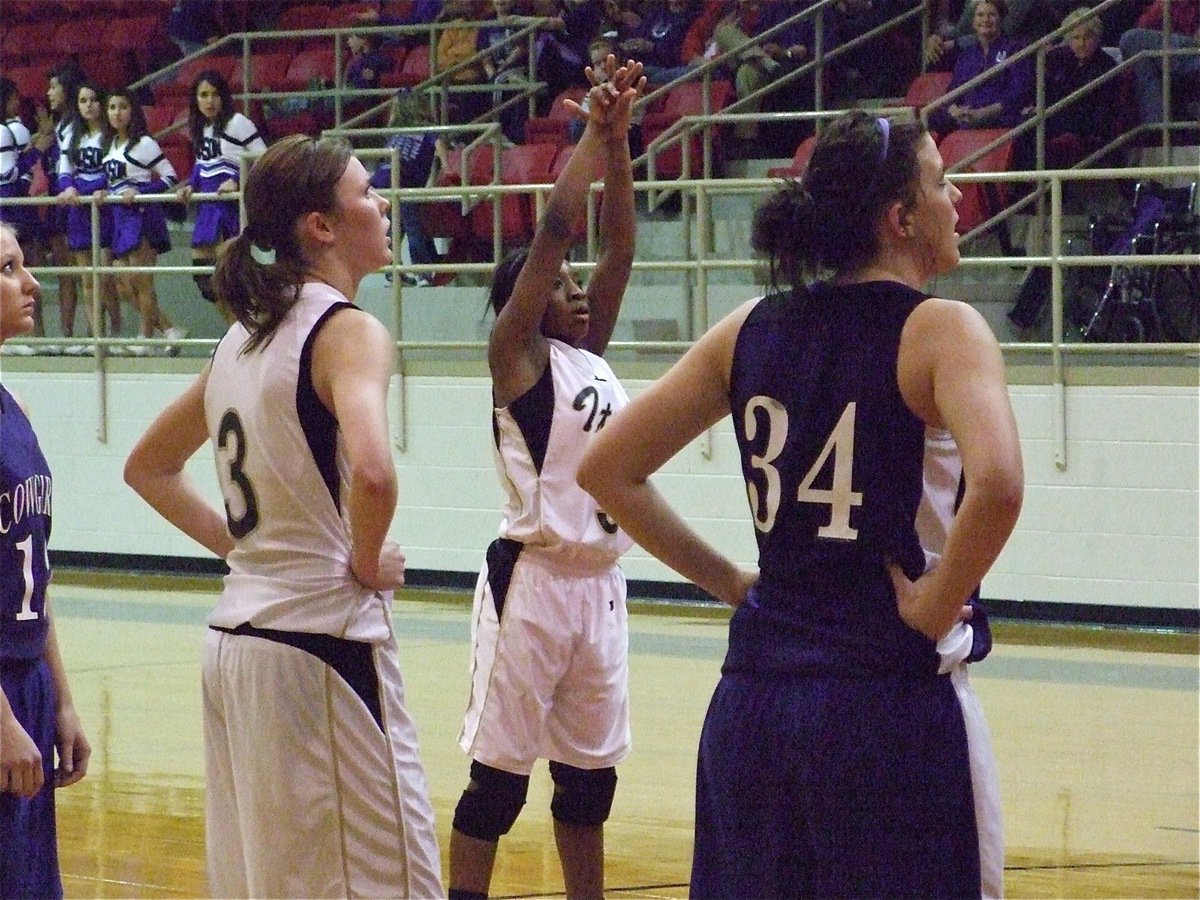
pixel 549 668
pixel 314 785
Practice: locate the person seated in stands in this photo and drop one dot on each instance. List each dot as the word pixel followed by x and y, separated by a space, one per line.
pixel 417 152
pixel 366 63
pixel 997 101
pixel 1184 28
pixel 420 12
pixel 881 67
pixel 658 40
pixel 1025 20
pixel 760 63
pixel 507 63
pixel 1087 122
pixel 599 51
pixel 456 45
pixel 562 49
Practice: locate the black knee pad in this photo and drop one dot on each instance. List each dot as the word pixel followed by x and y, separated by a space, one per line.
pixel 582 796
pixel 491 803
pixel 204 285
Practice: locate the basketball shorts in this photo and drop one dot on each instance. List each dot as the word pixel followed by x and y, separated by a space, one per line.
pixel 28 843
pixel 314 785
pixel 549 664
pixel 841 787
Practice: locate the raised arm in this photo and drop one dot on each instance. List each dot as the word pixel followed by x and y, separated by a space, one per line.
pixel 353 362
pixel 517 351
pixel 155 469
pixel 618 224
pixel 951 374
pixel 692 396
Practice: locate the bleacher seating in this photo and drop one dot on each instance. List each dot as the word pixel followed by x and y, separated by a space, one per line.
pixel 345 15
pixel 685 100
pixel 799 160
pixel 29 42
pixel 181 84
pixel 979 201
pixel 31 81
pixel 553 128
pixel 309 66
pixel 413 70
pixel 80 36
pixel 524 164
pixel 561 159
pixel 926 88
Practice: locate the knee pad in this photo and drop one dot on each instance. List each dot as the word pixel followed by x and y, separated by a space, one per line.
pixel 204 285
pixel 582 796
pixel 491 803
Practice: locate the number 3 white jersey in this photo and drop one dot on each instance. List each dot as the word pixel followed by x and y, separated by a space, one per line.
pixel 284 475
pixel 539 440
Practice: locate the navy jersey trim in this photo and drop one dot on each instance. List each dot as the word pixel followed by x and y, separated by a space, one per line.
pixel 354 661
pixel 502 555
pixel 533 412
pixel 318 423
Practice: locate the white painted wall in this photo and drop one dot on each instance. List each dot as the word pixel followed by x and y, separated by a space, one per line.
pixel 1117 526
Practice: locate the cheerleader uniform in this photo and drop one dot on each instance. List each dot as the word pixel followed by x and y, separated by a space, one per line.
pixel 55 222
pixel 83 169
pixel 217 161
pixel 143 167
pixel 17 158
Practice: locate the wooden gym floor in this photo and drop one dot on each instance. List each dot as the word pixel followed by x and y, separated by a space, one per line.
pixel 1096 732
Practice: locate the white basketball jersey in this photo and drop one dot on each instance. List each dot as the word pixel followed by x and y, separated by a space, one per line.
pixel 539 440
pixel 284 476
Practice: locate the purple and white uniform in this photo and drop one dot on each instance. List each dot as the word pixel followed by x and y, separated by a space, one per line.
pixel 83 169
pixel 143 167
pixel 218 160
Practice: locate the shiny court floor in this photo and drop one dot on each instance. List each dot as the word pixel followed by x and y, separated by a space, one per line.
pixel 1096 734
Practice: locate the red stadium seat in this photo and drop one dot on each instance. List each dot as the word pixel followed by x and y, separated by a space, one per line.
pixel 445 218
pixel 108 69
pixel 307 66
pixel 27 42
pixel 685 100
pixel 553 128
pixel 268 71
pixel 414 70
pixel 303 17
pixel 180 155
pixel 80 36
pixel 347 15
pixel 525 164
pixel 31 82
pixel 979 201
pixel 181 84
pixel 799 161
pixel 926 88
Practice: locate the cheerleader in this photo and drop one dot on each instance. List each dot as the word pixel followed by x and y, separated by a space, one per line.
pixel 17 159
pixel 134 164
pixel 81 174
pixel 53 134
pixel 220 137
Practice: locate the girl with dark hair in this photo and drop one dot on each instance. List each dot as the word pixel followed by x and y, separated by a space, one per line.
pixel 52 137
pixel 81 174
pixel 844 753
pixel 37 715
pixel 553 681
pixel 17 158
pixel 300 652
pixel 134 164
pixel 220 137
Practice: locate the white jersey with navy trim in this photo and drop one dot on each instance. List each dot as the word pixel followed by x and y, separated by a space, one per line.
pixel 284 476
pixel 221 150
pixel 14 145
pixel 539 440
pixel 138 165
pixel 84 168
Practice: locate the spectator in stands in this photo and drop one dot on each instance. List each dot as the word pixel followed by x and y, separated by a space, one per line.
pixel 658 40
pixel 80 175
pixel 759 63
pixel 457 45
pixel 881 67
pixel 1077 62
pixel 1025 20
pixel 366 64
pixel 417 153
pixel 420 12
pixel 134 164
pixel 192 24
pixel 220 138
pixel 507 63
pixel 1184 28
pixel 998 100
pixel 52 137
pixel 572 26
pixel 18 156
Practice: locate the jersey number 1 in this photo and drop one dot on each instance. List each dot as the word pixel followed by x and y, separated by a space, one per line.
pixel 26 549
pixel 840 496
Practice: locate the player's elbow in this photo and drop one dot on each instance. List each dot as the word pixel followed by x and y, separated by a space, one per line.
pixel 1002 488
pixel 376 480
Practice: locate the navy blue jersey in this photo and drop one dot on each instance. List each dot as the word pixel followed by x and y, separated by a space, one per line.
pixel 25 492
pixel 833 461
